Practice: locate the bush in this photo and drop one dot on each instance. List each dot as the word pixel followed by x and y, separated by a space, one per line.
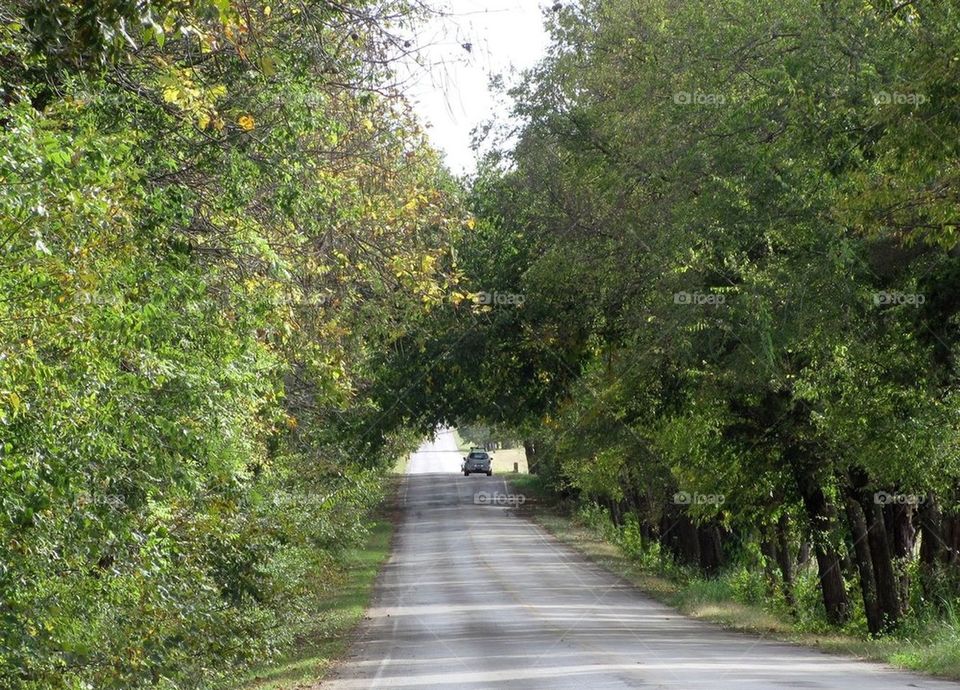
pixel 748 586
pixel 629 538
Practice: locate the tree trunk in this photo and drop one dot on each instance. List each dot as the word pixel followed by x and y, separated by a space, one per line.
pixel 887 592
pixel 829 567
pixel 679 536
pixel 903 538
pixel 785 561
pixel 951 539
pixel 932 549
pixel 803 554
pixel 688 541
pixel 615 513
pixel 822 521
pixel 861 549
pixel 530 452
pixel 931 532
pixel 711 551
pixel 768 548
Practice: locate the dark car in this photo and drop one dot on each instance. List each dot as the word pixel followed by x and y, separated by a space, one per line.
pixel 477 461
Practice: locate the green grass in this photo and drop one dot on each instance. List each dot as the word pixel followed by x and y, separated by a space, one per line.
pixel 503 459
pixel 532 485
pixel 461 444
pixel 932 648
pixel 340 615
pixel 400 465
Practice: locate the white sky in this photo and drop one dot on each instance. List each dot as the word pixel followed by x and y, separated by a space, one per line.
pixel 449 87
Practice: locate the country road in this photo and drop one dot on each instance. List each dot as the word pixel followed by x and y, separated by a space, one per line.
pixel 476 597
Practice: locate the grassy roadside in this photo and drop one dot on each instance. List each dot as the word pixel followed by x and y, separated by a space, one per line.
pixel 934 650
pixel 400 466
pixel 341 614
pixel 503 459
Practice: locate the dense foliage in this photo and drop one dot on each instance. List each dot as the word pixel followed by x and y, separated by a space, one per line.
pixel 712 283
pixel 212 215
pixel 732 229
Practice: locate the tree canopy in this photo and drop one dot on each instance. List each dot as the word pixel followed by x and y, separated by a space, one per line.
pixel 708 273
pixel 733 228
pixel 213 217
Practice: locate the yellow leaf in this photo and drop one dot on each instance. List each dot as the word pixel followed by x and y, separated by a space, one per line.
pixel 171 95
pixel 367 124
pixel 203 121
pixel 246 122
pixel 268 66
pixel 471 223
pixel 266 11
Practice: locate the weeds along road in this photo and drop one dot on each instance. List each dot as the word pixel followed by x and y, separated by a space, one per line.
pixel 476 597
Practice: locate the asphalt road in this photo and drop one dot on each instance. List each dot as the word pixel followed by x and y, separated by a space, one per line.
pixel 476 597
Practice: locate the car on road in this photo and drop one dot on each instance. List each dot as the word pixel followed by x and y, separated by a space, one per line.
pixel 477 461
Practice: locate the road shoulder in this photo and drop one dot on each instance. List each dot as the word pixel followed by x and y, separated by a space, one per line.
pixel 937 657
pixel 315 660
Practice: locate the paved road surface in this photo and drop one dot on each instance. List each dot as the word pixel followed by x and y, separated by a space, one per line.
pixel 474 597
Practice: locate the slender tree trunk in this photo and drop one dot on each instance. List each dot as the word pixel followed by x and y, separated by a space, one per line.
pixel 951 538
pixel 688 541
pixel 932 549
pixel 803 554
pixel 615 512
pixel 785 561
pixel 711 550
pixel 931 532
pixel 899 518
pixel 822 522
pixel 768 548
pixel 648 530
pixel 669 533
pixel 861 549
pixel 530 452
pixel 887 592
pixel 832 587
pixel 679 535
